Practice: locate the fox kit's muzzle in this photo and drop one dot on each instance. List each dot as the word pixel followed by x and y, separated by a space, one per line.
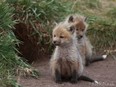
pixel 56 43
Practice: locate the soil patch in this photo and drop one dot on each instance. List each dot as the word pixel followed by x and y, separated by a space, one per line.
pixel 103 71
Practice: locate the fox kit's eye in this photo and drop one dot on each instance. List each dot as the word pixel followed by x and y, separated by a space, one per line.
pixel 77 29
pixel 61 36
pixel 71 28
pixel 54 35
pixel 82 29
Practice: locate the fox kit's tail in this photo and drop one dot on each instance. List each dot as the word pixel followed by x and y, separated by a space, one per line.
pixel 98 58
pixel 95 59
pixel 85 78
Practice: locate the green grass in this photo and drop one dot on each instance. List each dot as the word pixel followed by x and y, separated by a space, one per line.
pixel 10 61
pixel 40 16
pixel 8 57
pixel 112 13
pixel 32 13
pixel 103 35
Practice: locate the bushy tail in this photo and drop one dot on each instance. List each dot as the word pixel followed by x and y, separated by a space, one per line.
pixel 85 78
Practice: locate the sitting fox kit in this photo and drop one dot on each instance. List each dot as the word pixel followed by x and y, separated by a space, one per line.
pixel 84 45
pixel 66 63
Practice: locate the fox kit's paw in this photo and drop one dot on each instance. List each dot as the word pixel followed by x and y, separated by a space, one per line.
pixel 73 81
pixel 87 63
pixel 104 56
pixel 58 77
pixel 74 77
pixel 59 81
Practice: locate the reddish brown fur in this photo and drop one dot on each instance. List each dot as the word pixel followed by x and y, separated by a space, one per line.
pixel 80 26
pixel 62 32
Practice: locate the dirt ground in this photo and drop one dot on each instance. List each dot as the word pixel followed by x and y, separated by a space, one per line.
pixel 104 72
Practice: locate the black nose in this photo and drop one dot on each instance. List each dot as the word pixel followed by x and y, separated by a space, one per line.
pixel 55 42
pixel 80 36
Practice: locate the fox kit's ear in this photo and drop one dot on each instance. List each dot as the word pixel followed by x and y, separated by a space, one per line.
pixel 71 19
pixel 72 29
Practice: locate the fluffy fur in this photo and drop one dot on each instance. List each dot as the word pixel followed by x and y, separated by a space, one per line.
pixel 66 61
pixel 84 45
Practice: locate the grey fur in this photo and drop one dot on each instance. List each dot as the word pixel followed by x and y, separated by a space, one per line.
pixel 84 46
pixel 68 51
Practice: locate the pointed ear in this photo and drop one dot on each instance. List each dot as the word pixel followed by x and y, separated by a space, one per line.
pixel 71 19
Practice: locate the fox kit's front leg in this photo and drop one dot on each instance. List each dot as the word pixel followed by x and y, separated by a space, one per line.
pixel 74 77
pixel 58 77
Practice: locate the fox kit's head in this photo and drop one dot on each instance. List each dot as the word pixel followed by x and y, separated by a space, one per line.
pixel 80 23
pixel 63 34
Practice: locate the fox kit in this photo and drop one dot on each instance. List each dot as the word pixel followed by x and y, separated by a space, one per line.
pixel 66 63
pixel 84 44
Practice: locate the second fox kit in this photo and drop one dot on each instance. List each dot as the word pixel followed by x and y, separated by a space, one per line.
pixel 66 62
pixel 84 44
